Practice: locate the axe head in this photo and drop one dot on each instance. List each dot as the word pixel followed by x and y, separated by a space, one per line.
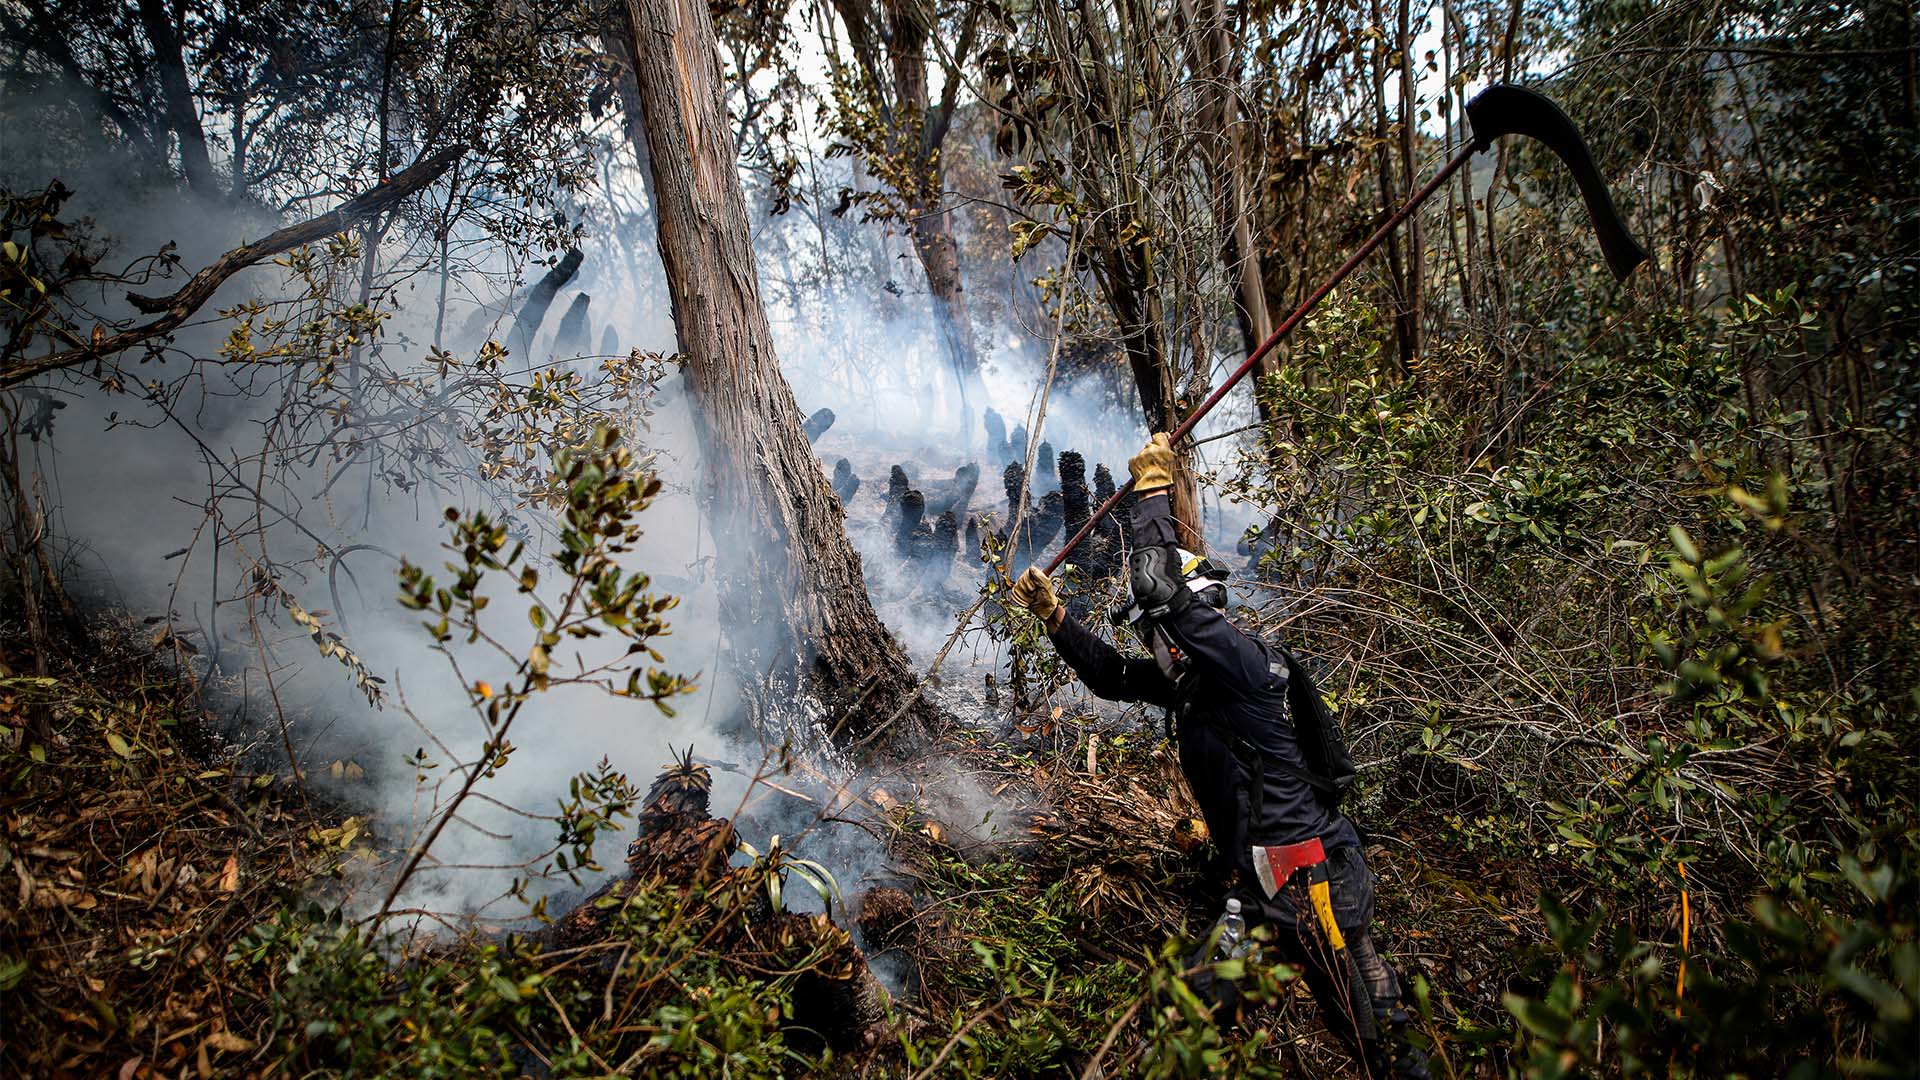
pixel 1505 109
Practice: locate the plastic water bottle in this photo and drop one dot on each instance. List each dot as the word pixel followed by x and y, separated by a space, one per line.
pixel 1233 932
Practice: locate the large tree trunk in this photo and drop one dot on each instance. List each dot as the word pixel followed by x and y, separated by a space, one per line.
pixel 789 578
pixel 156 17
pixel 940 257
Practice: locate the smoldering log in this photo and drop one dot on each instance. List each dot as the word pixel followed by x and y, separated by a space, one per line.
pixel 610 342
pixel 1017 445
pixel 1043 462
pixel 817 424
pixel 540 298
pixel 571 338
pixel 845 483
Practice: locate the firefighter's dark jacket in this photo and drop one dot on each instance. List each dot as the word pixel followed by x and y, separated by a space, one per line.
pixel 1230 708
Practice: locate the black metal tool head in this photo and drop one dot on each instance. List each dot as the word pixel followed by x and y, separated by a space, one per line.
pixel 1505 109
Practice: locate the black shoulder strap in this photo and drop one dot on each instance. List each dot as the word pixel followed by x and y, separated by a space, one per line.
pixel 1321 784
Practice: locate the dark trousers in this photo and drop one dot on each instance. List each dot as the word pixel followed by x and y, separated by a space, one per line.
pixel 1357 992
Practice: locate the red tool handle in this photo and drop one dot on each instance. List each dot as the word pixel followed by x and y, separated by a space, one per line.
pixel 1380 235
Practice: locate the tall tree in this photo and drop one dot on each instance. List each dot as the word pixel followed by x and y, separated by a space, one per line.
pixel 1099 112
pixel 887 111
pixel 787 569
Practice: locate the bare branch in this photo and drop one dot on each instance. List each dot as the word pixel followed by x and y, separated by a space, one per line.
pixel 180 306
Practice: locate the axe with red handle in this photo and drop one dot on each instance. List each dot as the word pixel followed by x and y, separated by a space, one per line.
pixel 1501 109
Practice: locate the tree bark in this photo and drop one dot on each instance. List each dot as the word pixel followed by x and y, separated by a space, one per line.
pixel 788 574
pixel 1212 57
pixel 1416 242
pixel 1403 332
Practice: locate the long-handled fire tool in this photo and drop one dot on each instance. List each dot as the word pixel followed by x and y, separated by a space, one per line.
pixel 1501 109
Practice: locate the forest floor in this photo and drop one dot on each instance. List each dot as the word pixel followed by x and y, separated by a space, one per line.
pixel 137 849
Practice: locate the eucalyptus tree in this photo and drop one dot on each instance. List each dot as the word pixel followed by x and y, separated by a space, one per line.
pixel 792 591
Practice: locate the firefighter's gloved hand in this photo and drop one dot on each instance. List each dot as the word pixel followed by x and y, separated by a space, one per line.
pixel 1152 467
pixel 1158 586
pixel 1034 591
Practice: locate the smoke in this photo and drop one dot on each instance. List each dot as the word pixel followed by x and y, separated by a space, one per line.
pixel 174 463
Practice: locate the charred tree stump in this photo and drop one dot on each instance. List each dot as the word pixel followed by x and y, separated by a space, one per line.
pixel 946 541
pixel 886 918
pixel 540 298
pixel 913 512
pixel 1046 522
pixel 1117 526
pixel 996 436
pixel 898 485
pixel 953 496
pixel 845 484
pixel 571 337
pixel 818 423
pixel 837 1001
pixel 1076 499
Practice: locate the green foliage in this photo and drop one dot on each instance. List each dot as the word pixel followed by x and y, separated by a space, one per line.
pixel 1029 993
pixel 1812 992
pixel 340 1007
pixel 601 489
pixel 345 1004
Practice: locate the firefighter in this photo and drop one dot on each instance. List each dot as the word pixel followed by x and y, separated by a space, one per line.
pixel 1290 858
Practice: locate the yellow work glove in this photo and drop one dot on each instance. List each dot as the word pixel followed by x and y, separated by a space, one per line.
pixel 1152 467
pixel 1034 591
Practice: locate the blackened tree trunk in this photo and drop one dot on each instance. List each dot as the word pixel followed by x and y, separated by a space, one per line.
pixel 787 570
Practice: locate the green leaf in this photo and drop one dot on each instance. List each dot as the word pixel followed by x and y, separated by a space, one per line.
pixel 1683 544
